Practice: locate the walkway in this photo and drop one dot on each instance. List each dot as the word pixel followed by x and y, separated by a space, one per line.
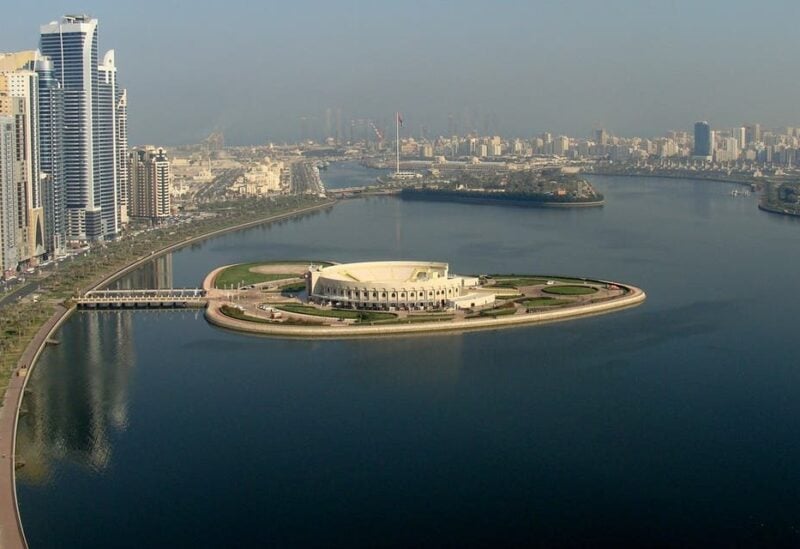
pixel 11 534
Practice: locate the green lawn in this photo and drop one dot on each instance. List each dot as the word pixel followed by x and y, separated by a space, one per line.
pixel 361 316
pixel 544 302
pixel 569 290
pixel 293 288
pixel 505 297
pixel 504 309
pixel 517 282
pixel 240 274
pixel 233 312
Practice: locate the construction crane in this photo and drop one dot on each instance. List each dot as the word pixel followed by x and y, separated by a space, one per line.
pixel 378 133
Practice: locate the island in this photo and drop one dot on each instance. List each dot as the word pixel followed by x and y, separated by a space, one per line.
pixel 379 298
pixel 781 198
pixel 560 187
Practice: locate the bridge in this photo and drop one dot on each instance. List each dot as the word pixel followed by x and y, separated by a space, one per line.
pixel 175 298
pixel 360 191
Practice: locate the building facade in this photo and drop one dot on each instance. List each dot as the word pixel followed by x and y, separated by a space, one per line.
pixel 19 98
pixel 703 142
pixel 51 159
pixel 387 285
pixel 9 258
pixel 91 98
pixel 150 184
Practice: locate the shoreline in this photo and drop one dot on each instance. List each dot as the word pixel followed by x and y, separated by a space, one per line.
pixel 12 534
pixel 214 316
pixel 776 211
pixel 501 201
pixel 676 176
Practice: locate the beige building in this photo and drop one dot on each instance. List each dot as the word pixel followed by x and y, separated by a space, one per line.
pixel 150 183
pixel 261 178
pixel 19 99
pixel 394 285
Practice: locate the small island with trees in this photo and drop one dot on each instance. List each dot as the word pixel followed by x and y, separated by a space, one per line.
pixel 781 197
pixel 533 188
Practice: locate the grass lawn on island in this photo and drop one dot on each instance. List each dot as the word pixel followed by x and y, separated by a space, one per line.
pixel 293 288
pixel 518 280
pixel 504 309
pixel 569 290
pixel 235 275
pixel 347 314
pixel 544 302
pixel 233 312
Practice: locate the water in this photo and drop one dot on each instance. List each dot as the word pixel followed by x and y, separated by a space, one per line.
pixel 676 421
pixel 350 173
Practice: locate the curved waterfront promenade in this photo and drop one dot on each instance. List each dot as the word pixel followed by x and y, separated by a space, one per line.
pixel 633 297
pixel 12 535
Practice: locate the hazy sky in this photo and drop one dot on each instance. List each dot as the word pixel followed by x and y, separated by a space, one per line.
pixel 254 68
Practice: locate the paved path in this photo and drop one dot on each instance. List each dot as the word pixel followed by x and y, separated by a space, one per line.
pixel 11 534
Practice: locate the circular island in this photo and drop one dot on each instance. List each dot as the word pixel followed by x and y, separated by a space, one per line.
pixel 318 299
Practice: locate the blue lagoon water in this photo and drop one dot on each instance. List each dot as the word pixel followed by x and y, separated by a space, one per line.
pixel 676 422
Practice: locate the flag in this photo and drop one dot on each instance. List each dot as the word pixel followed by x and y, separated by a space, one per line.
pixel 400 119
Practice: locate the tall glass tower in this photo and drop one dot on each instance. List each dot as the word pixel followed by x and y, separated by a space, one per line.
pixel 51 127
pixel 71 44
pixel 702 139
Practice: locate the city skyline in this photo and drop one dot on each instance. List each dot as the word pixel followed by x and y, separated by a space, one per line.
pixel 634 69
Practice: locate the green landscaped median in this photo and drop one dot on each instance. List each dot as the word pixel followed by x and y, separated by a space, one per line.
pixel 569 290
pixel 346 314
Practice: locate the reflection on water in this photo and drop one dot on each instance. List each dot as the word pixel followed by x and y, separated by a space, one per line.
pixel 155 274
pixel 78 395
pixel 154 428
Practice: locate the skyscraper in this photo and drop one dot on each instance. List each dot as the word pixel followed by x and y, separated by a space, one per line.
pixel 71 44
pixel 105 144
pixel 19 98
pixel 90 148
pixel 702 140
pixel 123 182
pixel 51 163
pixel 9 257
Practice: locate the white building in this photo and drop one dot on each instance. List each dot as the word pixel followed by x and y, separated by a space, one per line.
pixel 392 284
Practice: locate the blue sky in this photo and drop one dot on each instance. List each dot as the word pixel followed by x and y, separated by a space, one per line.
pixel 253 69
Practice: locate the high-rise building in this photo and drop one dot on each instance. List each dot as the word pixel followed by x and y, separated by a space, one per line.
pixel 105 145
pixel 123 181
pixel 740 134
pixel 71 44
pixel 51 163
pixel 90 147
pixel 9 258
pixel 19 98
pixel 752 134
pixel 702 140
pixel 150 183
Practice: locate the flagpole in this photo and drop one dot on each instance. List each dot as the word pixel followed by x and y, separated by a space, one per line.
pixel 397 140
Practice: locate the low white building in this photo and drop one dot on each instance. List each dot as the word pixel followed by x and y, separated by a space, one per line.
pixel 388 284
